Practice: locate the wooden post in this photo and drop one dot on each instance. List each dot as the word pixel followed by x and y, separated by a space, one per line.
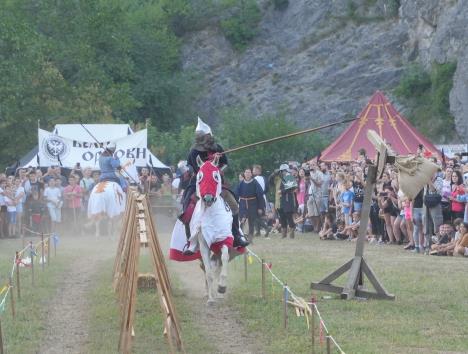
pixel 245 267
pixel 263 280
pixel 42 250
pixel 312 328
pixel 55 245
pixel 328 345
pixel 285 306
pixel 18 291
pixel 48 251
pixel 10 283
pixel 1 338
pixel 31 255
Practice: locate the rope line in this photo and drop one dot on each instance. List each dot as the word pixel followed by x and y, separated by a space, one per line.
pixel 16 263
pixel 297 299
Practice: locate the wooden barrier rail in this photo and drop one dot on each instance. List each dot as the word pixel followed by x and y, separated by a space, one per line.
pixel 139 231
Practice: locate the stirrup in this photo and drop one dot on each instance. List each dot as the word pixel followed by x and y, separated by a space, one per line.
pixel 186 251
pixel 240 241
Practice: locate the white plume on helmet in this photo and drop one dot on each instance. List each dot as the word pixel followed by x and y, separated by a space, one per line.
pixel 202 127
pixel 111 146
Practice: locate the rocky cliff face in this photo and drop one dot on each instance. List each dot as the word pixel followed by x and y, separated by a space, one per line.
pixel 319 64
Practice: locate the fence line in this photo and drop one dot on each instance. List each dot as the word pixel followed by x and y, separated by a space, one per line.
pixel 17 261
pixel 297 299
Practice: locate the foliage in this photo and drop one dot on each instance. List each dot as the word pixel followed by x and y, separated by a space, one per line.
pixel 171 147
pixel 239 127
pixel 241 26
pixel 280 4
pixel 426 95
pixel 90 61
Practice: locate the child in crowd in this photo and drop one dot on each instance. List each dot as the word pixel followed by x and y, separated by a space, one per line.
pixel 340 233
pixel 346 201
pixel 36 210
pixel 11 210
pixel 352 229
pixel 445 237
pixel 461 245
pixel 53 197
pixel 20 199
pixel 328 228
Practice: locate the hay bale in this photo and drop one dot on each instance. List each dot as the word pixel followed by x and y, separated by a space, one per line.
pixel 146 281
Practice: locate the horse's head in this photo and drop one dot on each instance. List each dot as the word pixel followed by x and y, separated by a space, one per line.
pixel 208 181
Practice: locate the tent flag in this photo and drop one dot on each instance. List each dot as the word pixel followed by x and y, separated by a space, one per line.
pixel 381 116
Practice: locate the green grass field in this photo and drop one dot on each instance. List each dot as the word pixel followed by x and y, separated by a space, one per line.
pixel 105 322
pixel 429 315
pixel 23 335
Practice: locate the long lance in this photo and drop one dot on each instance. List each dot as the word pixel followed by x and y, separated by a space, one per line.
pixel 290 135
pixel 106 149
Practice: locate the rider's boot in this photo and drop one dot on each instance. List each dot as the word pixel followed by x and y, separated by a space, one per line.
pixel 189 248
pixel 239 239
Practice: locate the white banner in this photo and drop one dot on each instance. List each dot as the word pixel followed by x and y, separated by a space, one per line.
pixel 451 150
pixel 57 150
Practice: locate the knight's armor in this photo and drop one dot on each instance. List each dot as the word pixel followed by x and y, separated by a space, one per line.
pixel 205 147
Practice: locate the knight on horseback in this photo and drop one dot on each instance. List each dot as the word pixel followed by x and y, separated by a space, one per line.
pixel 205 148
pixel 109 165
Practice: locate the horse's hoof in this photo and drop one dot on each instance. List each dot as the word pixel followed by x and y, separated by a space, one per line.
pixel 221 289
pixel 210 302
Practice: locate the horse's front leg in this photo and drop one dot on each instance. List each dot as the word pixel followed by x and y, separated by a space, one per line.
pixel 205 253
pixel 222 284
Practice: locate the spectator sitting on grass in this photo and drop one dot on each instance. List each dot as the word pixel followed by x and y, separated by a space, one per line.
pixel 444 240
pixel 461 245
pixel 328 228
pixel 340 233
pixel 352 229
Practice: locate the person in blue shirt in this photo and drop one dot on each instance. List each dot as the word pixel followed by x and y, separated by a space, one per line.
pixel 109 165
pixel 346 201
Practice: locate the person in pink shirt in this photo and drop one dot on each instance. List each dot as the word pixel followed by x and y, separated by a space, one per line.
pixel 72 195
pixel 458 208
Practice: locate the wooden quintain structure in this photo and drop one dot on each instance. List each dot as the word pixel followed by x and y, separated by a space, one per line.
pixel 358 266
pixel 139 231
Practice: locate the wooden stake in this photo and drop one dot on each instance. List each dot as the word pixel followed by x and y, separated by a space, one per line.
pixel 312 328
pixel 245 266
pixel 48 251
pixel 31 250
pixel 328 345
pixel 1 338
pixel 18 276
pixel 285 306
pixel 13 312
pixel 263 280
pixel 42 250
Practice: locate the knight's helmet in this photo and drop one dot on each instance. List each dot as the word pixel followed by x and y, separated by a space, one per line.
pixel 111 146
pixel 202 128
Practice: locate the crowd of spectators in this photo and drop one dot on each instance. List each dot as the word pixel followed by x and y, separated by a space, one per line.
pixel 57 199
pixel 327 198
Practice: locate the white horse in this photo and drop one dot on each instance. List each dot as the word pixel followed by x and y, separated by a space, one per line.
pixel 107 200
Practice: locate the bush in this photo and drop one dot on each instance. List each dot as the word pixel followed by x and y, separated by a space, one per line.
pixel 280 4
pixel 414 83
pixel 241 27
pixel 238 128
pixel 426 95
